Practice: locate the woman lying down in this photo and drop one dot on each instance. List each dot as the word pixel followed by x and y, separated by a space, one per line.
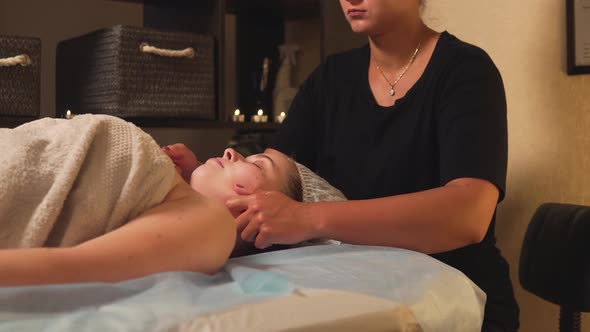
pixel 94 199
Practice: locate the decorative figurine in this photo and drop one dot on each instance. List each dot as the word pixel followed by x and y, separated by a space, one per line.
pixel 284 92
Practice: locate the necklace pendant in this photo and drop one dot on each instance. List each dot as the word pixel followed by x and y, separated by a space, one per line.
pixel 391 91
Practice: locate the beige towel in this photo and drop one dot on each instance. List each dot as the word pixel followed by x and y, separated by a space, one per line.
pixel 63 182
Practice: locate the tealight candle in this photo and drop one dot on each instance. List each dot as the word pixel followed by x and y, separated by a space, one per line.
pixel 69 114
pixel 260 117
pixel 281 117
pixel 237 117
pixel 263 117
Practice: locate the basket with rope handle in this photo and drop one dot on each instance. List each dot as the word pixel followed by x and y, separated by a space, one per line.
pixel 20 74
pixel 135 72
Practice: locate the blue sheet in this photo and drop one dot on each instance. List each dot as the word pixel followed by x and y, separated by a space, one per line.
pixel 441 297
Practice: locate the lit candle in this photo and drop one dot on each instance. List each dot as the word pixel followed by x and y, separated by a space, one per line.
pixel 69 114
pixel 237 117
pixel 263 117
pixel 281 117
pixel 260 117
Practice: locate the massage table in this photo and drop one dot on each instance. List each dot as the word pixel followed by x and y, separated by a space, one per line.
pixel 335 287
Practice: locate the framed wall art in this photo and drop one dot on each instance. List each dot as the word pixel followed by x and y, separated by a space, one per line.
pixel 578 36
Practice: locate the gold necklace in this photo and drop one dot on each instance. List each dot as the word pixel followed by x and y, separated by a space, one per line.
pixel 392 86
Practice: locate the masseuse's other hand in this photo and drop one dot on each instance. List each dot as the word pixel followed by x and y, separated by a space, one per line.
pixel 184 159
pixel 270 217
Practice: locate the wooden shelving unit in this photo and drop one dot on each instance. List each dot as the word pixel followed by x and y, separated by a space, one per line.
pixel 180 123
pixel 259 31
pixel 12 122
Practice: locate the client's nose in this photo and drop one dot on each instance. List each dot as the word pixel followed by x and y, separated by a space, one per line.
pixel 232 155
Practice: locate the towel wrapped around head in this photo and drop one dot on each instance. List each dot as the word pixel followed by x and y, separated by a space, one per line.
pixel 63 182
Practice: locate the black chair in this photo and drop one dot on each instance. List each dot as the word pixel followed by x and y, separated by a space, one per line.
pixel 555 260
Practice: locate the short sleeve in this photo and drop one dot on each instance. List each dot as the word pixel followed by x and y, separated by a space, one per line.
pixel 473 127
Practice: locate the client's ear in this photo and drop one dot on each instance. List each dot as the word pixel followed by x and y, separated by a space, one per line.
pixel 241 190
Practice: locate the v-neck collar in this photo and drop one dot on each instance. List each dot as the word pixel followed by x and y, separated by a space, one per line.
pixel 364 76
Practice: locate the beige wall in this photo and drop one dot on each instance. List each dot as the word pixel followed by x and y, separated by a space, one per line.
pixel 548 118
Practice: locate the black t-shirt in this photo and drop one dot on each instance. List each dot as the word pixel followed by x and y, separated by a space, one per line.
pixel 450 124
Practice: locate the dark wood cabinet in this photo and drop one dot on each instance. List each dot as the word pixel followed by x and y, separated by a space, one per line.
pixel 256 30
pixel 245 32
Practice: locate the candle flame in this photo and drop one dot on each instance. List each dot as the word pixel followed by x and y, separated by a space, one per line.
pixel 283 114
pixel 260 112
pixel 237 112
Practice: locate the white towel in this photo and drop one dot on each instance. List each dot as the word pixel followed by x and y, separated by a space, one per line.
pixel 63 182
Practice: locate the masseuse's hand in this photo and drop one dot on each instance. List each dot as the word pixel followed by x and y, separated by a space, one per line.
pixel 184 159
pixel 271 217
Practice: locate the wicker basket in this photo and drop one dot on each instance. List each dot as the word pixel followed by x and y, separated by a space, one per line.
pixel 134 73
pixel 20 67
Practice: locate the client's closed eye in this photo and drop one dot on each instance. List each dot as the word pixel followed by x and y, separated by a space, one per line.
pixel 257 164
pixel 263 159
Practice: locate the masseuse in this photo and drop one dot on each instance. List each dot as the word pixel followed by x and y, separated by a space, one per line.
pixel 412 128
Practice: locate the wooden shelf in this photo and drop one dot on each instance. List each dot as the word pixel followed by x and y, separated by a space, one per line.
pixel 201 124
pixel 12 122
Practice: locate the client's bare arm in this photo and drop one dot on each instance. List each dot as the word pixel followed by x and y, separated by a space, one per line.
pixel 187 232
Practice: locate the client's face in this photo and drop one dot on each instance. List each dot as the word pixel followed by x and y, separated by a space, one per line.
pixel 233 174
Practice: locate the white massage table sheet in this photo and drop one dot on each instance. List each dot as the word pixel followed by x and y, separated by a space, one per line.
pixel 317 288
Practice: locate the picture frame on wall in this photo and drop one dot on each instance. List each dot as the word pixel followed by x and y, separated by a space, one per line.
pixel 578 36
